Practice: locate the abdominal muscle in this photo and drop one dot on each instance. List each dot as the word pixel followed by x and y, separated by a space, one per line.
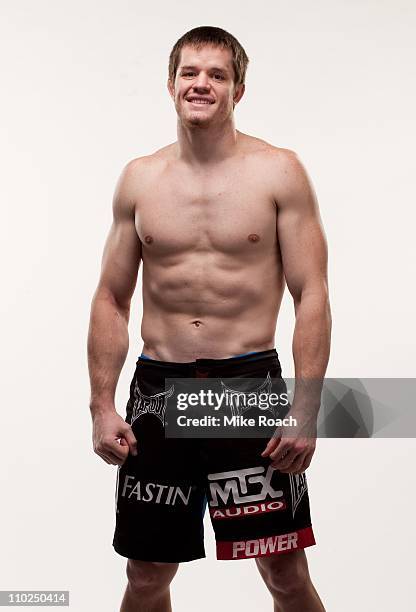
pixel 203 308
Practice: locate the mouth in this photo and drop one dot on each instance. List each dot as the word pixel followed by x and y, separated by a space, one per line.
pixel 200 101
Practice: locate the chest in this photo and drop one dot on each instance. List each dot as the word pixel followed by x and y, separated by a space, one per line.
pixel 231 212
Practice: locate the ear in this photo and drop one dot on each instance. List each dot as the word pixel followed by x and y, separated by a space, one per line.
pixel 171 89
pixel 239 92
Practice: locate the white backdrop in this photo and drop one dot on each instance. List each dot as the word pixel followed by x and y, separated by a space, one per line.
pixel 83 92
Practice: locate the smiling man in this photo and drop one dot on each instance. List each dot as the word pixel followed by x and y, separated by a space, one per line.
pixel 221 221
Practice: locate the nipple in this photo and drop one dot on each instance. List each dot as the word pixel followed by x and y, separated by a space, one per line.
pixel 148 239
pixel 254 237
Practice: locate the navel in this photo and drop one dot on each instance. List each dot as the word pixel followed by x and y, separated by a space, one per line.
pixel 148 239
pixel 196 323
pixel 253 237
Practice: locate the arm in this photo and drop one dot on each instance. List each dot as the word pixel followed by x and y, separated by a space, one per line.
pixel 108 339
pixel 304 257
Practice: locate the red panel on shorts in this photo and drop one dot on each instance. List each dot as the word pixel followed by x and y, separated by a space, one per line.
pixel 266 546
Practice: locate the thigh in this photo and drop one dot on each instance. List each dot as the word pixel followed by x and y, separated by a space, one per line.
pixel 159 493
pixel 255 511
pixel 159 508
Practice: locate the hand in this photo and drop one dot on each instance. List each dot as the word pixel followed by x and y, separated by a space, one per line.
pixel 108 428
pixel 291 448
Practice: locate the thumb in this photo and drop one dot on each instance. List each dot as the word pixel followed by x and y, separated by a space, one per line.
pixel 130 440
pixel 125 446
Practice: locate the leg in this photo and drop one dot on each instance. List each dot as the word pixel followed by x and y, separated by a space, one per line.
pixel 148 586
pixel 287 578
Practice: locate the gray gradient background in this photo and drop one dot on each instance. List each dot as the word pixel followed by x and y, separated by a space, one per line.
pixel 83 92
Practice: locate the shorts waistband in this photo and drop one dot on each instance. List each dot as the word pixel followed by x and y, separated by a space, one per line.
pixel 241 358
pixel 143 356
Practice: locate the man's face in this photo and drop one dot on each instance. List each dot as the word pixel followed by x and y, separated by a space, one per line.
pixel 203 91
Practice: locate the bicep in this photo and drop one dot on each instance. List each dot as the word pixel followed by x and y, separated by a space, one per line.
pixel 300 232
pixel 122 250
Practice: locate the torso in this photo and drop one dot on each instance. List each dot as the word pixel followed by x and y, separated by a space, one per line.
pixel 212 271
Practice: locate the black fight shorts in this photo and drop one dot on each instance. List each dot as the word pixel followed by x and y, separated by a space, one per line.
pixel 163 492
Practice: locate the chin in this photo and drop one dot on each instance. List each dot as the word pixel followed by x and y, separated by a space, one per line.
pixel 195 119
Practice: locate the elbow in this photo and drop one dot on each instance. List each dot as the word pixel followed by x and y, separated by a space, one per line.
pixel 314 296
pixel 103 294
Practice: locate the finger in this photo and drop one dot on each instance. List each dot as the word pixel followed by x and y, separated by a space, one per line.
pixel 282 449
pixel 305 462
pixel 271 446
pixel 119 451
pixel 123 442
pixel 130 438
pixel 112 458
pixel 297 464
pixel 285 460
pixel 308 460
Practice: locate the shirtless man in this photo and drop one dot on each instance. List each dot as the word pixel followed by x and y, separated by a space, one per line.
pixel 221 220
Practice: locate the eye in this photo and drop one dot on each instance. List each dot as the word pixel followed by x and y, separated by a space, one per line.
pixel 220 77
pixel 188 73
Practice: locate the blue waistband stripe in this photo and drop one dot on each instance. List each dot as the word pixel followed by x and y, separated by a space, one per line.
pixel 143 356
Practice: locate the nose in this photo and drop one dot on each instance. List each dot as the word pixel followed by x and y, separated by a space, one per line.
pixel 202 82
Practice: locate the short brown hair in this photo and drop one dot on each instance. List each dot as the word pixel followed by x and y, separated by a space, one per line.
pixel 209 35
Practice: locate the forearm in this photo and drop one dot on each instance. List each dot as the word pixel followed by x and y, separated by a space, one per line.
pixel 311 348
pixel 108 343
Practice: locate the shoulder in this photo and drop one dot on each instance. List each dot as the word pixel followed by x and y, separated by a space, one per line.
pixel 281 168
pixel 143 164
pixel 147 166
pixel 128 187
pixel 138 175
pixel 285 160
pixel 280 159
pixel 290 180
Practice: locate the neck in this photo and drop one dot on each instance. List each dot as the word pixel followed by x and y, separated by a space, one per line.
pixel 206 145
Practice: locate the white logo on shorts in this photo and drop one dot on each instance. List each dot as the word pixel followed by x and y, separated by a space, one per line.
pixel 237 484
pixel 298 486
pixel 154 492
pixel 265 546
pixel 150 404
